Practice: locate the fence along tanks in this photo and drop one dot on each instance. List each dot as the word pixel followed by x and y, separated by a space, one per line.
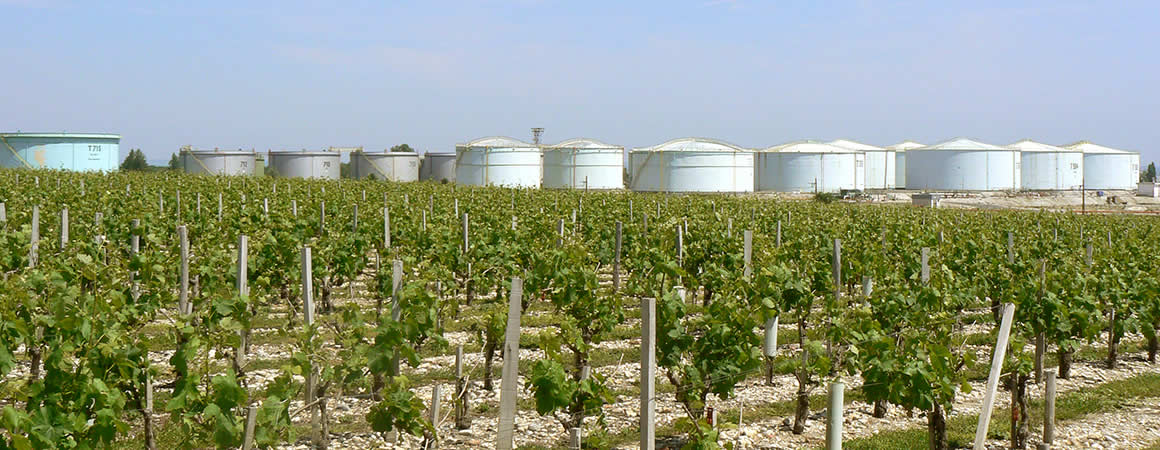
pixel 438 167
pixel 900 161
pixel 218 162
pixel 1108 168
pixel 323 164
pixel 880 163
pixel 963 165
pixel 691 165
pixel 392 166
pixel 809 166
pixel 1049 168
pixel 584 164
pixel 81 152
pixel 498 161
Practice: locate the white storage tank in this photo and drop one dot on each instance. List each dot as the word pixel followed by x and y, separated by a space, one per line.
pixel 1049 168
pixel 691 165
pixel 498 161
pixel 305 163
pixel 439 167
pixel 880 163
pixel 963 165
pixel 1108 168
pixel 584 164
pixel 900 161
pixel 810 166
pixel 387 165
pixel 218 162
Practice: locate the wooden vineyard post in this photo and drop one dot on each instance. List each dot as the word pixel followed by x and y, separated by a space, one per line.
pixel 243 288
pixel 354 219
pixel 1049 410
pixel 680 245
pixel 396 304
pixel 312 377
pixel 462 420
pixel 1040 338
pixel 251 422
pixel 466 236
pixel 648 368
pixel 294 208
pixel 993 379
pixel 779 234
pixel 432 439
pixel 219 206
pixel 199 204
pixel 386 228
pixel 1090 251
pixel 3 213
pixel 837 268
pixel 511 367
pixel 147 413
pixel 63 228
pixel 183 294
pixel 560 233
pixel 321 217
pixel 616 260
pixel 134 247
pixel 925 265
pixel 574 439
pixel 834 416
pixel 1010 247
pixel 748 253
pixel 265 207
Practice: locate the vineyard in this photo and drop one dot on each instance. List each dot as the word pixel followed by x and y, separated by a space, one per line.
pixel 177 311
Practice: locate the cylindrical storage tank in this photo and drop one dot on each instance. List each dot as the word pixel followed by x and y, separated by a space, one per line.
pixel 963 165
pixel 438 167
pixel 1108 168
pixel 498 161
pixel 691 165
pixel 900 161
pixel 880 163
pixel 217 162
pixel 65 151
pixel 1049 168
pixel 809 166
pixel 305 164
pixel 393 166
pixel 583 164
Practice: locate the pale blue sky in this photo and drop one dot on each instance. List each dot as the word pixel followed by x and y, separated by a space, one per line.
pixel 310 74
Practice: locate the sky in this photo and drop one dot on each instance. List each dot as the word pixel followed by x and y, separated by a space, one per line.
pixel 299 74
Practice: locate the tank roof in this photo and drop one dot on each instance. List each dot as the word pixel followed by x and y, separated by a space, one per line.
pixel 306 152
pixel 1089 147
pixel 385 153
pixel 584 143
pixel 905 145
pixel 1028 145
pixel 809 146
pixel 693 144
pixel 498 141
pixel 964 144
pixel 63 135
pixel 219 152
pixel 852 145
